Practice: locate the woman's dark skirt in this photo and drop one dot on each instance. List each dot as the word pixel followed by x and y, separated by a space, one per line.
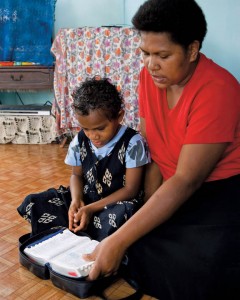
pixel 195 255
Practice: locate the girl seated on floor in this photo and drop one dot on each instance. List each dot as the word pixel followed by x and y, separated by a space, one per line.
pixel 107 161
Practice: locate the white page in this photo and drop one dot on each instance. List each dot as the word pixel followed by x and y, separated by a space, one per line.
pixel 71 262
pixel 51 247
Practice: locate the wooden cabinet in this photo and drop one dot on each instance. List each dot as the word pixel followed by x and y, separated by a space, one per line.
pixel 26 78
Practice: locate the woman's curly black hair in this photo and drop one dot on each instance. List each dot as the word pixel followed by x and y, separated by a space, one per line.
pixel 184 20
pixel 97 94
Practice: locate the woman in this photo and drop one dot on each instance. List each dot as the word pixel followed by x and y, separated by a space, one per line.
pixel 184 243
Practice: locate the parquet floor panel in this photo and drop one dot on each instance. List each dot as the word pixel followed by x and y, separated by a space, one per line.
pixel 26 169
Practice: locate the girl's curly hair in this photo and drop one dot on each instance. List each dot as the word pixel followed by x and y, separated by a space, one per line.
pixel 97 94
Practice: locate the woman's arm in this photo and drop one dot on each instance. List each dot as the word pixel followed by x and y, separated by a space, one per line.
pixel 152 180
pixel 143 127
pixel 152 177
pixel 195 164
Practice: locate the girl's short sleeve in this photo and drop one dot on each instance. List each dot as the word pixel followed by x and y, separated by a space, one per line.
pixel 137 153
pixel 73 155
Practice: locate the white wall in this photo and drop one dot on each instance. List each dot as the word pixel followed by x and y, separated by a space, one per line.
pixel 222 42
pixel 79 13
pixel 130 9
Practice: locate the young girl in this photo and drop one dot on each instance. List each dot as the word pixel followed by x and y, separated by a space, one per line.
pixel 107 161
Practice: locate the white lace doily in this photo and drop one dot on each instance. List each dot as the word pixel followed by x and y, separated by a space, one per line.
pixel 27 129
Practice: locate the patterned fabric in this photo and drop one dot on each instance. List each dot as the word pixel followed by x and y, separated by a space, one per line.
pixel 47 209
pixel 80 53
pixel 136 155
pixel 17 42
pixel 102 178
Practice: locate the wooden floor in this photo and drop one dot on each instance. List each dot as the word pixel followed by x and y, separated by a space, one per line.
pixel 26 169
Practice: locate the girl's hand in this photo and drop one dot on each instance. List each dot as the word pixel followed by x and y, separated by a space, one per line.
pixel 71 212
pixel 107 255
pixel 73 209
pixel 82 218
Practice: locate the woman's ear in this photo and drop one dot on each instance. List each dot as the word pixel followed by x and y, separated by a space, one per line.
pixel 194 50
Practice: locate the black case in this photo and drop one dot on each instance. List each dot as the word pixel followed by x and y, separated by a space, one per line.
pixel 79 287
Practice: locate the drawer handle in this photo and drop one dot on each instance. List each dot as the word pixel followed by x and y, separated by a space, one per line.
pixel 17 79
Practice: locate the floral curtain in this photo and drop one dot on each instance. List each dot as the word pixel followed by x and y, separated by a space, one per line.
pixel 80 53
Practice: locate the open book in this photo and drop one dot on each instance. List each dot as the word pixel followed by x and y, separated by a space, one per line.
pixel 63 251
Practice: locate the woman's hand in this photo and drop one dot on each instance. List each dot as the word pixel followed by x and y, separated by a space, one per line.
pixel 107 255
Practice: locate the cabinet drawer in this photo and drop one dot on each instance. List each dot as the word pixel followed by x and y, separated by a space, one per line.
pixel 26 78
